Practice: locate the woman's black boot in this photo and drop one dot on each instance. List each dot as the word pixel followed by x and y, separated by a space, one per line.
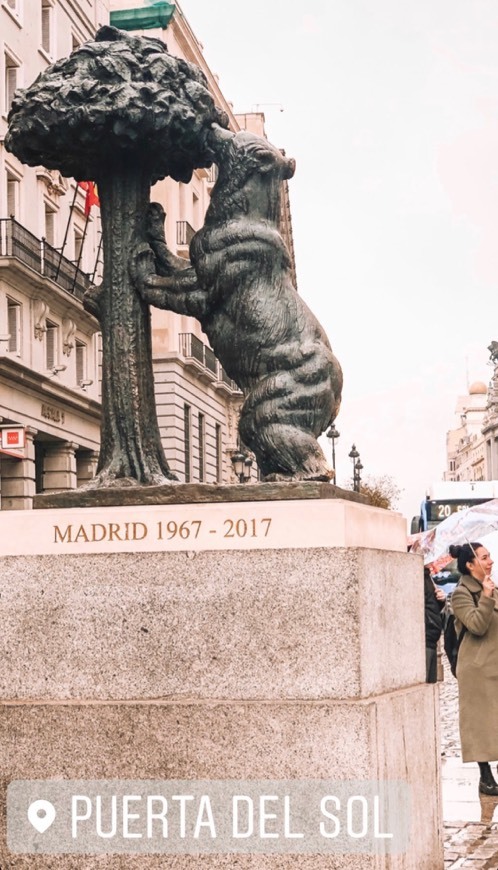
pixel 487 784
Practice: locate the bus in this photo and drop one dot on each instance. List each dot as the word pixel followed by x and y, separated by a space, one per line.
pixel 449 496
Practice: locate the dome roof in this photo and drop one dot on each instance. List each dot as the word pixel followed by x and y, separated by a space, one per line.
pixel 478 388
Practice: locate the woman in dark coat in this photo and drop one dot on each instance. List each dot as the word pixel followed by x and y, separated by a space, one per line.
pixel 475 606
pixel 434 599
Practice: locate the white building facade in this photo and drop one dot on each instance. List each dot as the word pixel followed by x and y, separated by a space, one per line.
pixel 49 345
pixel 49 255
pixel 465 444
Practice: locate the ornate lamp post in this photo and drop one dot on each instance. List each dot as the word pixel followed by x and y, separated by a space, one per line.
pixel 357 468
pixel 242 466
pixel 333 434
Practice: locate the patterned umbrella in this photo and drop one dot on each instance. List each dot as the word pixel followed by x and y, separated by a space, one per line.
pixel 462 527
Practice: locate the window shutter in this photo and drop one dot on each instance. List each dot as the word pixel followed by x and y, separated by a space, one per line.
pixel 13 321
pixel 80 362
pixel 187 444
pixel 50 337
pixel 10 84
pixel 45 21
pixel 202 447
pixel 49 226
pixel 12 197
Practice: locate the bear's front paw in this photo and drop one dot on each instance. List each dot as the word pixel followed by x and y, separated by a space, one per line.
pixel 142 265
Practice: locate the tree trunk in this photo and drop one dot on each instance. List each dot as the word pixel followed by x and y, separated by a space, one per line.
pixel 131 448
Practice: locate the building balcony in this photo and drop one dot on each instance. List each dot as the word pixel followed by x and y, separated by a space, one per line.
pixel 226 383
pixel 197 358
pixel 18 243
pixel 200 358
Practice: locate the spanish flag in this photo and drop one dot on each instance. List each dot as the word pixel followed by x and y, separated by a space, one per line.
pixel 92 197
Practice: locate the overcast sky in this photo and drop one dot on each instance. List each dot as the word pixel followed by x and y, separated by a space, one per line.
pixel 391 111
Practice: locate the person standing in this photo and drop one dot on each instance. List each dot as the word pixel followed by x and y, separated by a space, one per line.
pixel 475 606
pixel 434 599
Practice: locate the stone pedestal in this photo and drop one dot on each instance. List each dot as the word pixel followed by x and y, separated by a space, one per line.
pixel 269 663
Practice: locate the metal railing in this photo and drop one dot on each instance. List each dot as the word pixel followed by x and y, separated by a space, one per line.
pixel 192 347
pixel 225 378
pixel 210 360
pixel 16 241
pixel 184 233
pixel 64 272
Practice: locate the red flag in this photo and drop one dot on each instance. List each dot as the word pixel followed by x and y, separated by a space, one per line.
pixel 92 197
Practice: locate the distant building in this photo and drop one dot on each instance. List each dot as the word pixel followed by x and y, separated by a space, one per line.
pixel 465 444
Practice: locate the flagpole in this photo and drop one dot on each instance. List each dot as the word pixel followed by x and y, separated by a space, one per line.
pixel 81 251
pixel 97 258
pixel 66 233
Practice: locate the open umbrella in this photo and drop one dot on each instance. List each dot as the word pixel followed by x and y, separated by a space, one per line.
pixel 465 526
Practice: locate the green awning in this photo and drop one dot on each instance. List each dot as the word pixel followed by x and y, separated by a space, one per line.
pixel 157 15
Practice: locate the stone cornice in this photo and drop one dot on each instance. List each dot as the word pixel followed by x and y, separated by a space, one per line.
pixel 31 381
pixel 33 285
pixel 192 51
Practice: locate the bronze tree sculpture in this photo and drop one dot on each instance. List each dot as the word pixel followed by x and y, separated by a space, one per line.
pixel 123 112
pixel 239 287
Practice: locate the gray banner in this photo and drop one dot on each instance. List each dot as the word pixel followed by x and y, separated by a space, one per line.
pixel 207 817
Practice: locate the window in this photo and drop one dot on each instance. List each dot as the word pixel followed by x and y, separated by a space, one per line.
pixel 50 224
pixel 202 447
pixel 187 412
pixel 80 349
pixel 46 26
pixel 14 326
pixel 51 345
pixel 11 82
pixel 78 245
pixel 13 188
pixel 219 455
pixel 196 210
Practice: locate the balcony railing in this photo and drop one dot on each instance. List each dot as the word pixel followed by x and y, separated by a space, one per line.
pixel 192 347
pixel 210 361
pixel 184 233
pixel 16 241
pixel 226 379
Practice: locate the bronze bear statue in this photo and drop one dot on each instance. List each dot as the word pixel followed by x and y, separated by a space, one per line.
pixel 238 285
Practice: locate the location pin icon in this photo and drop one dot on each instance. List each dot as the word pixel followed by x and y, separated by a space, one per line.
pixel 41 814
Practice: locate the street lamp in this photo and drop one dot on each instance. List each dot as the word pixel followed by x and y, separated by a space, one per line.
pixel 333 434
pixel 357 468
pixel 242 466
pixel 247 468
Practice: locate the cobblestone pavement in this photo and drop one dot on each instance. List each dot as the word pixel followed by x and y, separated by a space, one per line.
pixel 471 841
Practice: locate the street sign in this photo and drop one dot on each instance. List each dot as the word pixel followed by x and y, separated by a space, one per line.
pixel 12 441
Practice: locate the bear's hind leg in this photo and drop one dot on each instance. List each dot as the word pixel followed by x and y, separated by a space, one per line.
pixel 284 452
